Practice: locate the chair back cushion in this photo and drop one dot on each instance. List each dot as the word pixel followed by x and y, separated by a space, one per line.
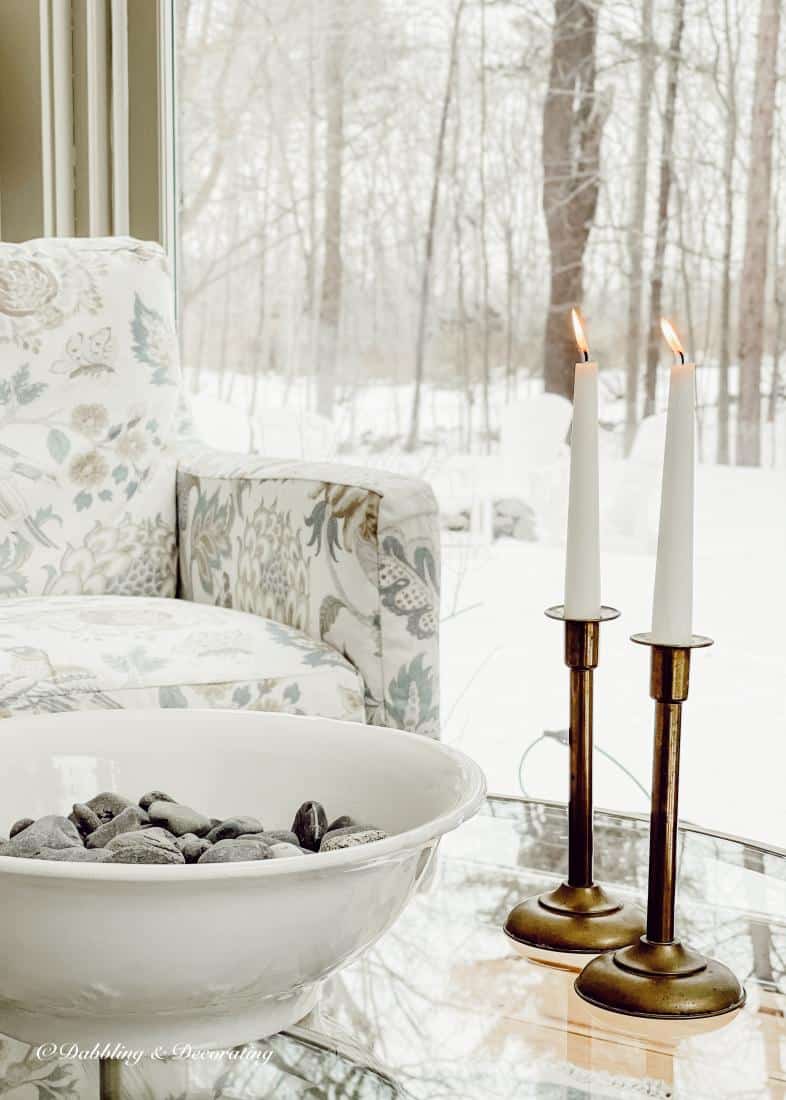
pixel 89 398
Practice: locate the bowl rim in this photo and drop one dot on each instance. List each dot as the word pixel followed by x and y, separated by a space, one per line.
pixel 378 851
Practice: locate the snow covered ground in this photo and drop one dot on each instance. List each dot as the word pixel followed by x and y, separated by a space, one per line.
pixel 503 680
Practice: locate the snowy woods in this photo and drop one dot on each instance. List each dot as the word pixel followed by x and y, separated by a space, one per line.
pixel 388 209
pixel 377 193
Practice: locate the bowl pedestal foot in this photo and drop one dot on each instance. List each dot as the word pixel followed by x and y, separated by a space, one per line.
pixel 209 1029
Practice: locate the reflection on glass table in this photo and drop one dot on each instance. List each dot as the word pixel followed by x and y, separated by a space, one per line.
pixel 442 1006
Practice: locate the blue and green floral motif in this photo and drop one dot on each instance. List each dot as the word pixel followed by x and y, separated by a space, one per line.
pixel 354 563
pixel 411 696
pixel 25 1072
pixel 127 558
pixel 153 342
pixel 18 390
pixel 211 523
pixel 271 576
pixel 409 588
pixel 42 290
pixel 346 514
pixel 14 553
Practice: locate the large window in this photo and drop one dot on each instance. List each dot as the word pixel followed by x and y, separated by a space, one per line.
pixel 386 209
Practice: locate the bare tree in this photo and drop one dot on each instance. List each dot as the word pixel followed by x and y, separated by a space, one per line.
pixel 779 301
pixel 431 227
pixel 200 196
pixel 635 236
pixel 664 194
pixel 332 274
pixel 727 91
pixel 462 351
pixel 754 266
pixel 484 246
pixel 572 126
pixel 310 304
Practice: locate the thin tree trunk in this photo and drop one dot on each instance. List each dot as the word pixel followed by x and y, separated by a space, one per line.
pixel 754 266
pixel 637 222
pixel 226 376
pixel 664 193
pixel 572 127
pixel 779 301
pixel 688 274
pixel 332 275
pixel 311 153
pixel 510 284
pixel 722 454
pixel 201 195
pixel 260 341
pixel 484 252
pixel 461 293
pixel 431 225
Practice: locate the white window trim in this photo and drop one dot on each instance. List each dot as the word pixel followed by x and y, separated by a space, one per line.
pixel 167 133
pixel 57 118
pixel 120 165
pixel 99 214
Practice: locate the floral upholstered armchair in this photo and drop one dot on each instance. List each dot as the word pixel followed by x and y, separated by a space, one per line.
pixel 140 569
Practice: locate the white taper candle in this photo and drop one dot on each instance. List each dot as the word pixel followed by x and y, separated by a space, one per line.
pixel 582 561
pixel 672 606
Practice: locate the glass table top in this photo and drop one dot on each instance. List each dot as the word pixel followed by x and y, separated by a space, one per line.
pixel 443 1006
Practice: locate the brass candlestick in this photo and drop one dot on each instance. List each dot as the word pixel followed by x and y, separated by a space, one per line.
pixel 658 977
pixel 578 917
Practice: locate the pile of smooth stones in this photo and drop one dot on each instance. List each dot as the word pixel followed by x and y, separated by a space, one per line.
pixel 157 829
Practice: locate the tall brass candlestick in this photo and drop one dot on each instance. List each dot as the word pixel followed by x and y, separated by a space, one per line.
pixel 658 977
pixel 578 917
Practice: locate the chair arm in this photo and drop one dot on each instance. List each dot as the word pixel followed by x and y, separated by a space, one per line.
pixel 347 555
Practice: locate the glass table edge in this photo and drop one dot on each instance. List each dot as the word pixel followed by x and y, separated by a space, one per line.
pixel 632 815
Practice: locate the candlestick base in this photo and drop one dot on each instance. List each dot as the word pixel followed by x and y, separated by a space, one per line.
pixel 660 981
pixel 580 920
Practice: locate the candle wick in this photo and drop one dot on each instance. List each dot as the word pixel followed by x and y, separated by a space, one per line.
pixel 586 356
pixel 682 357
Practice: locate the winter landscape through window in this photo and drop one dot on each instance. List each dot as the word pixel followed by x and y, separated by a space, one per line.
pixel 386 211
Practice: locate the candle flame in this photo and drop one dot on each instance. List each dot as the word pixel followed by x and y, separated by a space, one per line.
pixel 578 331
pixel 672 339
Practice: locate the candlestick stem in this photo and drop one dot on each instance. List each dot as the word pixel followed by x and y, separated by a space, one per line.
pixel 581 657
pixel 658 977
pixel 663 826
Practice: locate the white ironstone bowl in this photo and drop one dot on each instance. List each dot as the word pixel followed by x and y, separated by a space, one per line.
pixel 216 954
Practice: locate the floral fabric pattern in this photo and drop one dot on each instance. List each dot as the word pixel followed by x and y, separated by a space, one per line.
pixel 102 487
pixel 109 652
pixel 347 556
pixel 89 409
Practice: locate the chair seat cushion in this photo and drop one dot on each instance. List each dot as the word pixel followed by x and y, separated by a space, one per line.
pixel 64 653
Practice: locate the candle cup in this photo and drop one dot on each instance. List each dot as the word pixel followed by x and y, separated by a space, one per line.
pixel 658 977
pixel 578 918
